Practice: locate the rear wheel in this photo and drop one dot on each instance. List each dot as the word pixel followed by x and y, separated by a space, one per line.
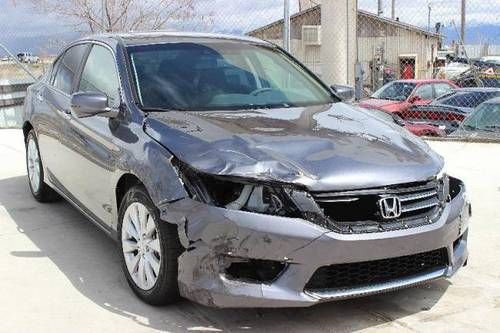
pixel 150 249
pixel 40 191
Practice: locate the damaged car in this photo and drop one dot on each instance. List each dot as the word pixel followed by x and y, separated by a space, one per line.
pixel 229 174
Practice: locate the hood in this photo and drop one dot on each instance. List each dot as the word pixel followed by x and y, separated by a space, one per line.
pixel 324 148
pixel 380 104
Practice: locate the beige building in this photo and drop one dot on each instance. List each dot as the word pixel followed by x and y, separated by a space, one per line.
pixel 380 40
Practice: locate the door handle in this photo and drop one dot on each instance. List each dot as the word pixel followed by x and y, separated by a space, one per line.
pixel 39 97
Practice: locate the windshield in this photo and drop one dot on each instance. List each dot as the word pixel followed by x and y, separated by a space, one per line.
pixel 221 75
pixel 396 91
pixel 486 118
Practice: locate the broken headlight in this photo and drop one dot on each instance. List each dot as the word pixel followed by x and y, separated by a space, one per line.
pixel 443 184
pixel 240 195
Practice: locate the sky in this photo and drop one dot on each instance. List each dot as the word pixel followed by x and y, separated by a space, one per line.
pixel 21 28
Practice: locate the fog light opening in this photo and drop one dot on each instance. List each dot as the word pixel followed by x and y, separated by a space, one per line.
pixel 254 270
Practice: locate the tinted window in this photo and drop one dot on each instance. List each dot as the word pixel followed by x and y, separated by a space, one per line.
pixel 221 75
pixel 425 92
pixel 441 89
pixel 67 67
pixel 468 99
pixel 99 74
pixel 398 91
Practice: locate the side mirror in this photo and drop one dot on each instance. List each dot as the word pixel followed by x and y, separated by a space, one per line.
pixel 88 104
pixel 413 99
pixel 346 93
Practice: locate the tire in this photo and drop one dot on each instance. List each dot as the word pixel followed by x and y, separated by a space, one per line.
pixel 36 177
pixel 158 285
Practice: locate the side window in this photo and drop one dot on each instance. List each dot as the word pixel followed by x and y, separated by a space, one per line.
pixel 425 92
pixel 99 74
pixel 67 67
pixel 441 89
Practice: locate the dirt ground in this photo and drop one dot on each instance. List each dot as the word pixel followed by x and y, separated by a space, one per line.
pixel 59 273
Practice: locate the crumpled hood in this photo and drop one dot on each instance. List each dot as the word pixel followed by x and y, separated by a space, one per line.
pixel 325 148
pixel 379 104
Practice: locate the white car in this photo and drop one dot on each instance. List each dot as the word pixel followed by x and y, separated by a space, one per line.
pixel 452 70
pixel 28 58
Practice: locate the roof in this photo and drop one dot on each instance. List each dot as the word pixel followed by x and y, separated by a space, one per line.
pixel 495 100
pixel 420 81
pixel 139 38
pixel 478 89
pixel 360 13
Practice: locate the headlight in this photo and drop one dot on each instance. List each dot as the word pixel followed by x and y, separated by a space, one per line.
pixel 239 194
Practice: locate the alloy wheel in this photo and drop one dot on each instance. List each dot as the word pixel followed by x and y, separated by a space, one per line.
pixel 141 246
pixel 33 165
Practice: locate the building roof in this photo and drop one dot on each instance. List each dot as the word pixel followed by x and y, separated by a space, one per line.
pixel 361 12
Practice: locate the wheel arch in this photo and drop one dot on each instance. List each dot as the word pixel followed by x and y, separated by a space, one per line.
pixel 27 127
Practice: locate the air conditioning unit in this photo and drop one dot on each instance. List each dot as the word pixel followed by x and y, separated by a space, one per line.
pixel 311 34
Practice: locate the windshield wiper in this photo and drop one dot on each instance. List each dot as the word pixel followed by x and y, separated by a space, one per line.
pixel 495 127
pixel 469 127
pixel 149 109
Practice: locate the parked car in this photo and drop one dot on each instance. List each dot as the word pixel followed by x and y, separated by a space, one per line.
pixel 417 128
pixel 484 122
pixel 398 96
pixel 451 109
pixel 452 70
pixel 231 175
pixel 28 58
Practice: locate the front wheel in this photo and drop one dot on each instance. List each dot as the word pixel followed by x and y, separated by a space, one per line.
pixel 149 248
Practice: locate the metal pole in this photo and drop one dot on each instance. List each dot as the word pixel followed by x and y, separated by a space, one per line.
pixel 286 26
pixel 462 33
pixel 103 15
pixel 393 10
pixel 429 18
pixel 380 10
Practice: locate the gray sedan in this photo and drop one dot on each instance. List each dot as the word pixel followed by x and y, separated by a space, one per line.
pixel 231 175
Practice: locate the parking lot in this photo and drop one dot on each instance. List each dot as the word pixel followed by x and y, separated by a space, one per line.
pixel 61 274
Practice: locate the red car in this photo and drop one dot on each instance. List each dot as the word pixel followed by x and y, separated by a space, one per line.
pixel 419 129
pixel 398 96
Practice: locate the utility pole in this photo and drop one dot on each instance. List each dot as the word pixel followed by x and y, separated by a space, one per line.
pixel 380 10
pixel 462 32
pixel 339 50
pixel 429 17
pixel 393 10
pixel 286 26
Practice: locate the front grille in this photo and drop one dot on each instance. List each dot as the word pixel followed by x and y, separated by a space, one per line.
pixel 360 274
pixel 359 211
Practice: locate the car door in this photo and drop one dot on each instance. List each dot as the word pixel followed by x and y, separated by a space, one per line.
pixel 52 104
pixel 92 157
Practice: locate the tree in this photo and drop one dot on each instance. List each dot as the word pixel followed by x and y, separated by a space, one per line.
pixel 122 15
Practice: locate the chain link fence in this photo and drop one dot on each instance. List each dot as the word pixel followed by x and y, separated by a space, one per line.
pixel 432 66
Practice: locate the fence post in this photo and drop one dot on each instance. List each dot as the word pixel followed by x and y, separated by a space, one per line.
pixel 286 25
pixel 339 41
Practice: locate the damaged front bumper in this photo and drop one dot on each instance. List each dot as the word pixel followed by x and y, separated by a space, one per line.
pixel 225 247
